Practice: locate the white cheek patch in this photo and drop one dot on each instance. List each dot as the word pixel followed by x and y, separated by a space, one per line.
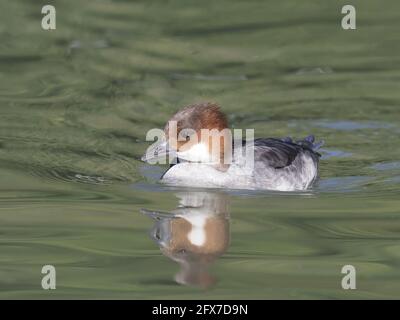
pixel 197 153
pixel 197 235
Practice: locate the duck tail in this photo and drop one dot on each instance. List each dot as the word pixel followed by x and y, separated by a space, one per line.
pixel 309 142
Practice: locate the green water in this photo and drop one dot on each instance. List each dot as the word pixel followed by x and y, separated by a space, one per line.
pixel 76 103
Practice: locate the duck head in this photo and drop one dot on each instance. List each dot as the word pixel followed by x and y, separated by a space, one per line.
pixel 197 133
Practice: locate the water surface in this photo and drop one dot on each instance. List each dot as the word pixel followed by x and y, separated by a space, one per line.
pixel 75 104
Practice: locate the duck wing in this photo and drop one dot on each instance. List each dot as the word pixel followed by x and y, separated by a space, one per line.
pixel 280 153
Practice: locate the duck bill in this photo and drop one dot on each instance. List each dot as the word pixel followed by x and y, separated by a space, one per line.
pixel 158 153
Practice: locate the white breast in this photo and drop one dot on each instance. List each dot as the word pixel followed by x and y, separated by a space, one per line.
pixel 194 175
pixel 197 153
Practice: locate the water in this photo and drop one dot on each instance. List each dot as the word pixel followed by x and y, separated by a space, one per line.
pixel 76 104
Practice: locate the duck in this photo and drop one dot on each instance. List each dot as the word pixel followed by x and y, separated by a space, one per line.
pixel 203 153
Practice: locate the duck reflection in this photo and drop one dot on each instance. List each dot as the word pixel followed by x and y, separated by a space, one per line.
pixel 194 235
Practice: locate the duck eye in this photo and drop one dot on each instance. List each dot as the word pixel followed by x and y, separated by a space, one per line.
pixel 187 138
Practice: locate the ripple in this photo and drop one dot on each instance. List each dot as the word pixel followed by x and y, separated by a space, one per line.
pixel 387 166
pixel 351 125
pixel 343 184
pixel 79 44
pixel 197 76
pixel 329 153
pixel 151 173
pixel 71 176
pixel 393 180
pixel 314 70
